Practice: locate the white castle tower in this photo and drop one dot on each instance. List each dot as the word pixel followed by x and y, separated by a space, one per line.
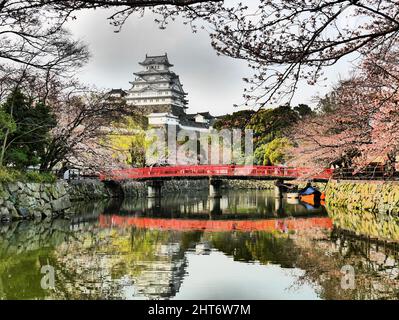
pixel 156 89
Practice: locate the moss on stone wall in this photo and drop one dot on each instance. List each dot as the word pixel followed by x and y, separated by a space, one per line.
pixel 365 207
pixel 364 195
pixel 365 223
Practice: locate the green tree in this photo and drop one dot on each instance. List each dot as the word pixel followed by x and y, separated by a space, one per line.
pixel 269 128
pixel 269 124
pixel 7 124
pixel 129 142
pixel 303 110
pixel 24 142
pixel 237 120
pixel 272 153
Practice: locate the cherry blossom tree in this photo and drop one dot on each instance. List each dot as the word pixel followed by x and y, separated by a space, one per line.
pixel 382 74
pixel 284 41
pixel 360 124
pixel 84 117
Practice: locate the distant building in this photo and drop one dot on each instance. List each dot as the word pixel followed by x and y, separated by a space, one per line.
pixel 158 93
pixel 117 93
pixel 202 117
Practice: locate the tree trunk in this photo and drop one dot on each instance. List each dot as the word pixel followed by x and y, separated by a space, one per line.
pixel 390 164
pixel 3 148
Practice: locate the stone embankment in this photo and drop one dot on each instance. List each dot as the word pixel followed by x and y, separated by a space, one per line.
pixel 367 208
pixel 38 201
pixel 248 184
pixel 20 200
pixel 88 189
pixel 370 196
pixel 33 200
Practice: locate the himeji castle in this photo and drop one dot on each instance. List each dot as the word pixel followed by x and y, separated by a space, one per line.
pixel 158 93
pixel 157 88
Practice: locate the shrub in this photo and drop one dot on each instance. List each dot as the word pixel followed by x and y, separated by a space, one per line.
pixel 11 175
pixel 41 177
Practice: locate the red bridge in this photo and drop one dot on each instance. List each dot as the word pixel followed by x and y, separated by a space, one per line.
pixel 220 171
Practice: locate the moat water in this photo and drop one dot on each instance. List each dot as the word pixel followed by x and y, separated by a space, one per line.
pixel 246 245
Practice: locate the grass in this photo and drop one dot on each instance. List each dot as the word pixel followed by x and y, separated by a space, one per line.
pixel 8 175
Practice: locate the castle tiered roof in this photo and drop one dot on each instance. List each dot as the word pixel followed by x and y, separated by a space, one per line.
pixel 156 87
pixel 156 60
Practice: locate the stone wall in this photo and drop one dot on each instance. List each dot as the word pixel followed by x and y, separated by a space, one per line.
pixel 137 188
pixel 89 189
pixel 248 184
pixel 185 185
pixel 367 208
pixel 33 200
pixel 371 196
pixel 94 189
pixel 37 201
pixel 134 189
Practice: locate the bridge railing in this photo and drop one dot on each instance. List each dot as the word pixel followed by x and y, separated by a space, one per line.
pixel 212 170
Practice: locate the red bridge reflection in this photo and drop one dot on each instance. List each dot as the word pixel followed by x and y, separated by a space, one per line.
pixel 289 224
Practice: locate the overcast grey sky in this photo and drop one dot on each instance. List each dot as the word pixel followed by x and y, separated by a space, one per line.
pixel 213 83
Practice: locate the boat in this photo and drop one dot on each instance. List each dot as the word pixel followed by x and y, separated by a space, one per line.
pixel 310 195
pixel 310 199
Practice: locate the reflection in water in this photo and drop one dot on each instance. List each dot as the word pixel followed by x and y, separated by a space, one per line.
pixel 372 224
pixel 251 204
pixel 282 225
pixel 173 250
